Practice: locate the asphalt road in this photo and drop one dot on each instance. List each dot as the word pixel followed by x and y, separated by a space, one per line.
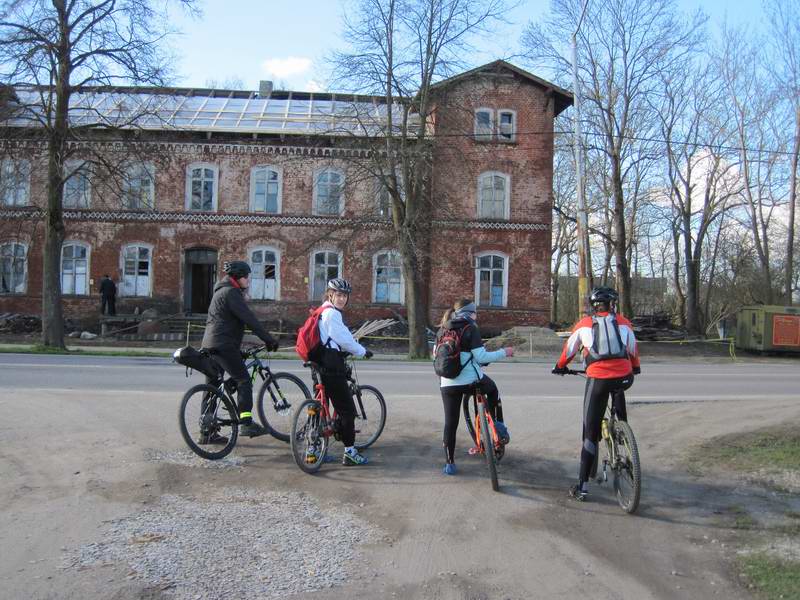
pixel 77 431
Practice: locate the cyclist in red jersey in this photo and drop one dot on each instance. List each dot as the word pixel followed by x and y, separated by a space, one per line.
pixel 608 348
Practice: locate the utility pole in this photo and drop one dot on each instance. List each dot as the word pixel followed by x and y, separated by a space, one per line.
pixel 582 220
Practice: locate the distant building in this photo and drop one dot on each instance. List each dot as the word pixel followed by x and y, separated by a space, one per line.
pixel 262 176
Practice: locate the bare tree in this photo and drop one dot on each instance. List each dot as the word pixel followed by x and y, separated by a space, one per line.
pixel 784 33
pixel 701 177
pixel 624 46
pixel 399 49
pixel 55 49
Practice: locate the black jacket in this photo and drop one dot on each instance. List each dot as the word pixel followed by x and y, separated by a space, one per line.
pixel 107 288
pixel 227 316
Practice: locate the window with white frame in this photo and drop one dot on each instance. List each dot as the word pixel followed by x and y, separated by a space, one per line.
pixel 15 176
pixel 201 187
pixel 325 265
pixel 13 268
pixel 265 190
pixel 493 195
pixel 328 192
pixel 77 189
pixel 387 278
pixel 491 279
pixel 506 125
pixel 74 268
pixel 139 187
pixel 484 124
pixel 264 276
pixel 137 270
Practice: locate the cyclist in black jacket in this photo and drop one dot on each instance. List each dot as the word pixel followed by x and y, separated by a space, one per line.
pixel 227 316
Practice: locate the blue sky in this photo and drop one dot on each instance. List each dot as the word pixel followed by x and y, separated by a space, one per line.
pixel 286 41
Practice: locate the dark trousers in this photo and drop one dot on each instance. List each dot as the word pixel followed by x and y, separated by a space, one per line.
pixel 110 303
pixel 595 401
pixel 230 359
pixel 337 388
pixel 452 398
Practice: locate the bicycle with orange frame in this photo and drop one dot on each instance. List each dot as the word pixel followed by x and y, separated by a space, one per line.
pixel 481 427
pixel 314 420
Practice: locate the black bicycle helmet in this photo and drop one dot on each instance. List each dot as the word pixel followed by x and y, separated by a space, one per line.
pixel 340 285
pixel 603 295
pixel 236 268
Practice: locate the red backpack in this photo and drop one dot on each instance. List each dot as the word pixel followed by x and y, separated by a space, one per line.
pixel 308 335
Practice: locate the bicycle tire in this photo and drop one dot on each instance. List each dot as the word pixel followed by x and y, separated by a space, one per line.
pixel 307 435
pixel 276 416
pixel 198 414
pixel 368 426
pixel 627 467
pixel 468 405
pixel 488 447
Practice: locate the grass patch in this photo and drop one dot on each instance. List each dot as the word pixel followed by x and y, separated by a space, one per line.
pixel 771 449
pixel 773 577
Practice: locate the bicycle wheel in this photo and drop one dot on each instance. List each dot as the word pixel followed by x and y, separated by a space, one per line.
pixel 487 445
pixel 205 413
pixel 370 415
pixel 627 469
pixel 308 444
pixel 469 408
pixel 276 401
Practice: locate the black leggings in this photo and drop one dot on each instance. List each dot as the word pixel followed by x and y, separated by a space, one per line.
pixel 230 359
pixel 337 388
pixel 452 397
pixel 595 400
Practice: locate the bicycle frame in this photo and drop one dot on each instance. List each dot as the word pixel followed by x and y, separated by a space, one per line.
pixel 493 437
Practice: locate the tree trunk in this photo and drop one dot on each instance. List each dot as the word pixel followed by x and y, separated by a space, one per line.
pixel 415 274
pixel 620 243
pixel 52 310
pixel 792 202
pixel 692 276
pixel 676 274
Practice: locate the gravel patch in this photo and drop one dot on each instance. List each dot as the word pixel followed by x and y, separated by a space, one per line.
pixel 242 544
pixel 784 548
pixel 187 458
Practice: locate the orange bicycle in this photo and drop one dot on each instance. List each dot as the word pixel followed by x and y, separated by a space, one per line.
pixel 314 420
pixel 481 427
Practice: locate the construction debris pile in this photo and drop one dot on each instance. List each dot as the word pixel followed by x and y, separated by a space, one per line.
pixel 656 328
pixel 19 324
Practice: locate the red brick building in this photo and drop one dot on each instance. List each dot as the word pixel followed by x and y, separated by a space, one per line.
pixel 254 175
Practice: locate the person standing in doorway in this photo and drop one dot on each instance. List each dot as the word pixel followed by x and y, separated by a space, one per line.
pixel 108 295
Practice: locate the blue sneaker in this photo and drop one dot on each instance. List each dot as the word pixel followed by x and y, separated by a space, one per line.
pixel 352 458
pixel 502 431
pixel 449 469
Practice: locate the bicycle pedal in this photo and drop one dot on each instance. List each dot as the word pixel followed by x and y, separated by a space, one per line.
pixel 311 459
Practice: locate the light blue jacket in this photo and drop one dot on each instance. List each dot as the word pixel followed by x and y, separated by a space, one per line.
pixel 471 364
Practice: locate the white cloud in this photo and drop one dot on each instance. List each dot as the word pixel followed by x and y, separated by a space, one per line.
pixel 286 67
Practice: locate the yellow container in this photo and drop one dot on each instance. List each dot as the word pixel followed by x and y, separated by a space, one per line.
pixel 768 328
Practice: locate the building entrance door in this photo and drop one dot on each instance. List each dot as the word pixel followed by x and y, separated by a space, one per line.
pixel 201 275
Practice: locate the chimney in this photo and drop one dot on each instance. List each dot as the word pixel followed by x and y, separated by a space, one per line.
pixel 264 88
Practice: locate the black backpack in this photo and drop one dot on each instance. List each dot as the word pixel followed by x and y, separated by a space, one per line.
pixel 447 352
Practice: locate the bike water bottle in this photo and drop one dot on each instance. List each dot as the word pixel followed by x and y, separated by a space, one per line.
pixel 604 428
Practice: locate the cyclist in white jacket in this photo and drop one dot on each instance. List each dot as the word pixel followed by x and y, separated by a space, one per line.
pixel 336 340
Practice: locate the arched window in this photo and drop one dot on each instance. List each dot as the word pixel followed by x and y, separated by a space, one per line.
pixel 491 279
pixel 265 276
pixel 15 177
pixel 77 189
pixel 493 195
pixel 387 280
pixel 201 187
pixel 137 270
pixel 329 192
pixel 74 268
pixel 265 189
pixel 139 187
pixel 325 265
pixel 13 268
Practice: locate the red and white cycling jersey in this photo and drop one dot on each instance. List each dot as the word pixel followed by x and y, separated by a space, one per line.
pixel 582 339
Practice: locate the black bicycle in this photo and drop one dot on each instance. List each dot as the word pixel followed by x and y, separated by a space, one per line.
pixel 621 455
pixel 209 418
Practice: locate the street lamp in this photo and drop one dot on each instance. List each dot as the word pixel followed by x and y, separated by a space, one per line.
pixel 582 221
